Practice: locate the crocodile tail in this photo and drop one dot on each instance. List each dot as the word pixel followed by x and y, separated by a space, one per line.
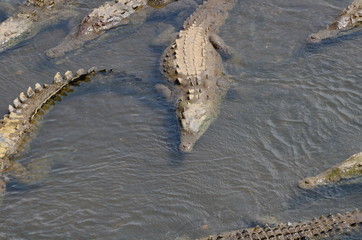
pixel 27 105
pixel 18 123
pixel 316 228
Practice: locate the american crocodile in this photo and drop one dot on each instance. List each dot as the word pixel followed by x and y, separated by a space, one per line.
pixel 352 167
pixel 194 70
pixel 349 18
pixel 317 228
pixel 109 15
pixel 31 17
pixel 17 126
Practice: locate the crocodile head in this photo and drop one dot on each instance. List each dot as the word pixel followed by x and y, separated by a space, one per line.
pixel 322 34
pixel 194 118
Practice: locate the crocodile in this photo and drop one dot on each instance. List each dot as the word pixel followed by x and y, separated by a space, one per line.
pixel 19 124
pixel 109 15
pixel 31 17
pixel 350 168
pixel 317 228
pixel 348 19
pixel 194 71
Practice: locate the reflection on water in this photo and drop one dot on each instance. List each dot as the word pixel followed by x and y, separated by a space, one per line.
pixel 292 111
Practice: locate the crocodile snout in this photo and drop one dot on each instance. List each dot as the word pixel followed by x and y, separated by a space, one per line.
pixel 186 147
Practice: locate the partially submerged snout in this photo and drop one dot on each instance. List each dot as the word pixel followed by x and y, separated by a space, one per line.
pixel 309 183
pixel 187 141
pixel 325 34
pixel 314 38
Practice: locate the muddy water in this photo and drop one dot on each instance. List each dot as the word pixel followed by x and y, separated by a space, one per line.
pixel 292 111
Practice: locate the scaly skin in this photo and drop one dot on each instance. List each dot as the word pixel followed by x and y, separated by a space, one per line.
pixel 352 167
pixel 349 18
pixel 31 17
pixel 194 70
pixel 19 124
pixel 320 228
pixel 109 15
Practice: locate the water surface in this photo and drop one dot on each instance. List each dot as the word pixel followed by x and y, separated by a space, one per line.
pixel 292 111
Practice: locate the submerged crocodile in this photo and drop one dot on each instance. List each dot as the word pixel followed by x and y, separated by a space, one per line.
pixel 352 167
pixel 109 15
pixel 17 126
pixel 31 17
pixel 349 18
pixel 194 70
pixel 317 228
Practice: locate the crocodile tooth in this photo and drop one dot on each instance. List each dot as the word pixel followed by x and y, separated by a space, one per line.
pixel 22 97
pixel 68 75
pixel 11 108
pixel 29 92
pixel 45 85
pixel 16 103
pixel 191 91
pixel 58 78
pixel 38 88
pixel 92 70
pixel 179 81
pixel 80 72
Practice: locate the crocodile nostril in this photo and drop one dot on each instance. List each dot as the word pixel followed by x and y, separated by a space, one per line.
pixel 186 147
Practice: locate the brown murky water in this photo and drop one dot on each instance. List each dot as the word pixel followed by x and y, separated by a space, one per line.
pixel 116 173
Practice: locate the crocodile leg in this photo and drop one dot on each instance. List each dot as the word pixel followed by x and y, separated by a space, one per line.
pixel 164 90
pixel 219 44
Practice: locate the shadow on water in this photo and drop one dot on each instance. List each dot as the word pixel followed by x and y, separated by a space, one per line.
pixel 139 88
pixel 348 188
pixel 15 187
